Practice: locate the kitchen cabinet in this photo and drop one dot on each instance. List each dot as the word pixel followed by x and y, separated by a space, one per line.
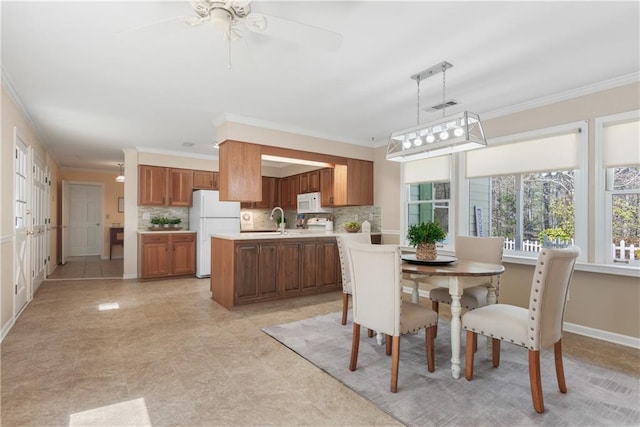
pixel 289 190
pixel 269 195
pixel 160 186
pixel 205 180
pixel 166 254
pixel 240 171
pixel 266 269
pixel 310 182
pixel 326 187
pixel 353 183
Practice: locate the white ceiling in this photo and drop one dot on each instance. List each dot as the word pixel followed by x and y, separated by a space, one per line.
pixel 92 92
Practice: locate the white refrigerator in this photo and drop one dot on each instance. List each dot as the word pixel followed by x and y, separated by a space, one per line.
pixel 209 216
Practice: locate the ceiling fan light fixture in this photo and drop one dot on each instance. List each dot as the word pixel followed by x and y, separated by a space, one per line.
pixel 458 132
pixel 220 19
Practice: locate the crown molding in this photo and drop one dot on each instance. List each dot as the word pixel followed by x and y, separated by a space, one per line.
pixel 176 153
pixel 563 96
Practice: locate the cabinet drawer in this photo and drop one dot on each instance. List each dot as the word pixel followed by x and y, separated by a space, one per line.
pixel 155 238
pixel 183 237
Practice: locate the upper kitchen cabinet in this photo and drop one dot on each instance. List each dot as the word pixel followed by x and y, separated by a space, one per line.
pixel 326 187
pixel 240 171
pixel 310 182
pixel 205 180
pixel 160 186
pixel 353 183
pixel 269 195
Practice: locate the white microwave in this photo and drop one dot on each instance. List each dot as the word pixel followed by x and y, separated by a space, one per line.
pixel 311 203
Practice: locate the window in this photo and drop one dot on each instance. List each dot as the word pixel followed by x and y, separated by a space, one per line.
pixel 527 189
pixel 523 208
pixel 618 143
pixel 429 201
pixel 428 194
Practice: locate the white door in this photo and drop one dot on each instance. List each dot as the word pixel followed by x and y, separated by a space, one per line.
pixel 22 223
pixel 40 203
pixel 85 214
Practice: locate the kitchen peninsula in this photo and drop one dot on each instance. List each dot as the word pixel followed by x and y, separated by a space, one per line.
pixel 254 267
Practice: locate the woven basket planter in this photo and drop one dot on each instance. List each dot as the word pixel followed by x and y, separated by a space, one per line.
pixel 426 251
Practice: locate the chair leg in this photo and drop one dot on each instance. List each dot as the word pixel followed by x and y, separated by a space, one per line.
pixel 370 333
pixel 395 361
pixel 387 344
pixel 345 308
pixel 557 352
pixel 535 380
pixel 495 352
pixel 435 306
pixel 355 345
pixel 429 335
pixel 472 340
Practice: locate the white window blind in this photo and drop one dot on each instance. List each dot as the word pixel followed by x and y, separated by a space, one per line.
pixel 427 170
pixel 558 152
pixel 622 144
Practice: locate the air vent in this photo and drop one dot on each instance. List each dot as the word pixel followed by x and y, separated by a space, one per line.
pixel 447 104
pixel 188 144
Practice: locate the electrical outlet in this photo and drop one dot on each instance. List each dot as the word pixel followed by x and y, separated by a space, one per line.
pixel 370 217
pixel 146 216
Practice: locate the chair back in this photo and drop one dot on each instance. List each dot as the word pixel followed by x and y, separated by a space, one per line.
pixel 548 297
pixel 480 249
pixel 376 275
pixel 341 239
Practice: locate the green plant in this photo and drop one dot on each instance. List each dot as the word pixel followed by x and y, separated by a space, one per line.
pixel 156 220
pixel 553 234
pixel 174 221
pixel 426 232
pixel 352 224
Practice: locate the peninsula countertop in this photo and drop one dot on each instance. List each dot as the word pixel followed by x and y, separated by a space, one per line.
pixel 289 234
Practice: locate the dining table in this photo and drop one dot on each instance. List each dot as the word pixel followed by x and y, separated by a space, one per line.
pixel 453 269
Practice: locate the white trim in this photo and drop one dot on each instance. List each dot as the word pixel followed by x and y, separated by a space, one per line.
pixel 6 83
pixel 574 328
pixel 395 232
pixel 6 239
pixel 177 153
pixel 615 270
pixel 130 276
pixel 7 327
pixel 599 334
pixel 563 96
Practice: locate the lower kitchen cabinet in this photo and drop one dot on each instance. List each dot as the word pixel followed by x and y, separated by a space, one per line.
pixel 265 269
pixel 166 254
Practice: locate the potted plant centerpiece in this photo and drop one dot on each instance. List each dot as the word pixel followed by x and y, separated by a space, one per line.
pixel 423 237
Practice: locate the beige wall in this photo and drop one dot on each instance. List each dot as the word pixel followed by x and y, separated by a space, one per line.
pixel 112 190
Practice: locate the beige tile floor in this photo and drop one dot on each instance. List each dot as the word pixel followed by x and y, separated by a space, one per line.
pixel 88 267
pixel 193 362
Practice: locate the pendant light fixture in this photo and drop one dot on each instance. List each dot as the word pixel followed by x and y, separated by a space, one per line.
pixel 458 132
pixel 120 178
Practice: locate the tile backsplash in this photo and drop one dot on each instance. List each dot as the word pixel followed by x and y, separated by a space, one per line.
pixel 169 212
pixel 340 216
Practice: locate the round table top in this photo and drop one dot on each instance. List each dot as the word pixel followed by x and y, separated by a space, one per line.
pixel 458 268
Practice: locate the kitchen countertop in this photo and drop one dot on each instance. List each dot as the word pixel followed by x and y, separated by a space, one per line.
pixel 290 234
pixel 142 231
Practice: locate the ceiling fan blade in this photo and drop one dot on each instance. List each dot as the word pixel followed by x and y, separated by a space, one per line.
pixel 303 34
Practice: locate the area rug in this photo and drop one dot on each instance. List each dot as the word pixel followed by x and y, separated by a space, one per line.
pixel 495 397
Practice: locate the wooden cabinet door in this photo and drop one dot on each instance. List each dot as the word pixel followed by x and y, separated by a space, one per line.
pixel 309 259
pixel 154 256
pixel 180 187
pixel 314 181
pixel 294 190
pixel 326 186
pixel 289 263
pixel 183 256
pixel 152 185
pixel 240 171
pixel 268 269
pixel 285 194
pixel 359 182
pixel 304 183
pixel 268 193
pixel 204 180
pixel 246 271
pixel 328 265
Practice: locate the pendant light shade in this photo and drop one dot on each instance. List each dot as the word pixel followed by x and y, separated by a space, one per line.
pixel 120 178
pixel 448 134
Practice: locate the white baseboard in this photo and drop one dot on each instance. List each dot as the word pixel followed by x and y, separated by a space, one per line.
pixel 586 331
pixel 6 328
pixel 130 276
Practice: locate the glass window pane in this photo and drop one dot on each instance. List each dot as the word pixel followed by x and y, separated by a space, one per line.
pixel 429 191
pixel 627 178
pixel 626 227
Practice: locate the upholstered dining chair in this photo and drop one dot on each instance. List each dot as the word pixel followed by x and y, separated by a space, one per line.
pixel 479 249
pixel 538 326
pixel 344 266
pixel 376 275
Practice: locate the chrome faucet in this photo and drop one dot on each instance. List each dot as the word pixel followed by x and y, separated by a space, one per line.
pixel 281 225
